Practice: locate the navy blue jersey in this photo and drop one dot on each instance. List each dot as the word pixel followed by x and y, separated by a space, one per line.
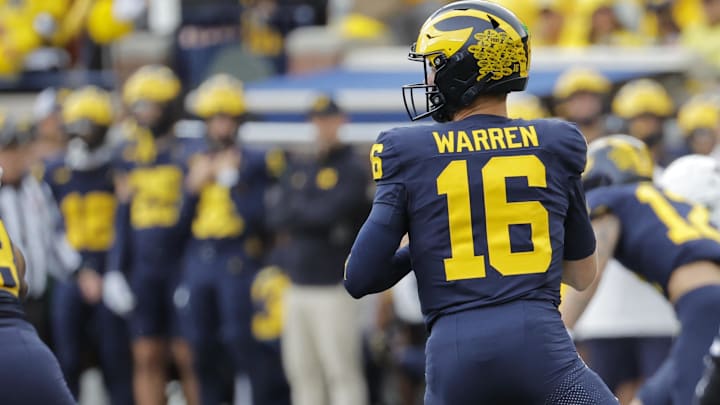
pixel 87 202
pixel 492 206
pixel 237 212
pixel 659 231
pixel 155 171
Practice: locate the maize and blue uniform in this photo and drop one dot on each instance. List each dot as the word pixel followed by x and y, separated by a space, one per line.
pixel 30 374
pixel 149 233
pixel 86 199
pixel 659 233
pixel 222 256
pixel 267 294
pixel 492 207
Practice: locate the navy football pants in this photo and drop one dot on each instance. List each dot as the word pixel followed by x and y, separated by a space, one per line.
pixel 515 353
pixel 77 326
pixel 216 319
pixel 677 378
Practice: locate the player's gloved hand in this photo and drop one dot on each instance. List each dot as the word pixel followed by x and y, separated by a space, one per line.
pixel 117 295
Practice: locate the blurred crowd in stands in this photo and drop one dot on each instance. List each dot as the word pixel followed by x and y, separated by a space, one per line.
pixel 63 45
pixel 272 36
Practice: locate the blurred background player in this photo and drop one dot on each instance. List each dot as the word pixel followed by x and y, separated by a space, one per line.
pixel 29 367
pixel 149 185
pixel 526 106
pixel 31 219
pixel 320 208
pixel 50 140
pixel 580 96
pixel 81 182
pixel 676 249
pixel 644 105
pixel 699 121
pixel 697 178
pixel 226 186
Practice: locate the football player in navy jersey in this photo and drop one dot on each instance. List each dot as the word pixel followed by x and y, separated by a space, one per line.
pixel 149 174
pixel 225 189
pixel 496 216
pixel 664 239
pixel 82 184
pixel 697 178
pixel 30 372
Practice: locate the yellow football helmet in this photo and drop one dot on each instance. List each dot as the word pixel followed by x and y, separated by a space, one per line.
pixel 617 159
pixel 698 114
pixel 472 48
pixel 87 113
pixel 580 79
pixel 154 83
pixel 642 96
pixel 88 103
pixel 526 106
pixel 220 94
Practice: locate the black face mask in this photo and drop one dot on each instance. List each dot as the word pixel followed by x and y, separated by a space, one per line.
pixel 164 124
pixel 93 135
pixel 653 139
pixel 217 145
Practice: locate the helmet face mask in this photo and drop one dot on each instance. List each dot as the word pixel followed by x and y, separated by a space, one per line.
pixel 92 134
pixel 468 49
pixel 433 99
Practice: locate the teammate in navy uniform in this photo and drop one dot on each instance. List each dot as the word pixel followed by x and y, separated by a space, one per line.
pixel 664 239
pixel 150 169
pixel 30 372
pixel 81 182
pixel 697 178
pixel 496 217
pixel 226 185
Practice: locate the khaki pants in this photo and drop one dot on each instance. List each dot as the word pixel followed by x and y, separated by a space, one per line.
pixel 321 346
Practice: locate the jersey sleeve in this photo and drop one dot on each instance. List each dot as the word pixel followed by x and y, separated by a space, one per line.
pixel 385 159
pixel 600 201
pixel 579 236
pixel 570 146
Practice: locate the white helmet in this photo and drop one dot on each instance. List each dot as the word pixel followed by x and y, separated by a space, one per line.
pixel 696 178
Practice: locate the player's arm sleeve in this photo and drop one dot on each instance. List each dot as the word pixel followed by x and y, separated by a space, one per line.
pixel 375 264
pixel 248 193
pixel 579 236
pixel 571 148
pixel 119 253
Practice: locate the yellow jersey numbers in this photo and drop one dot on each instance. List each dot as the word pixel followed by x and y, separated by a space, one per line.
pixel 8 270
pixel 216 215
pixel 89 220
pixel 499 215
pixel 376 161
pixel 680 230
pixel 157 193
pixel 267 293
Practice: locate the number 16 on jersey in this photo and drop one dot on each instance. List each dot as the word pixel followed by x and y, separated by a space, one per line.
pixel 499 215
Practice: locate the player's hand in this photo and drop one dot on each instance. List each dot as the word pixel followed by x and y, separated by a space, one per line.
pixel 228 159
pixel 227 167
pixel 202 171
pixel 116 293
pixel 90 284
